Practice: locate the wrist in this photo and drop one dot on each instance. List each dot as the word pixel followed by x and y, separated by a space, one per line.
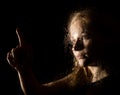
pixel 23 69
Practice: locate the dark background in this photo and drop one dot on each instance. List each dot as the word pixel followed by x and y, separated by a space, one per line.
pixel 43 24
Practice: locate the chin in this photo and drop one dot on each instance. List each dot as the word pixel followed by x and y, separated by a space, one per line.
pixel 89 62
pixel 81 62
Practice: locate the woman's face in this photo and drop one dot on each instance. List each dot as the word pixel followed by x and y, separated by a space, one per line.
pixel 81 42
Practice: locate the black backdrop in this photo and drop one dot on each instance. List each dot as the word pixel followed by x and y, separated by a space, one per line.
pixel 43 24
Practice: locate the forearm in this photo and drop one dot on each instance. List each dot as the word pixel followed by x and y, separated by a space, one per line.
pixel 29 84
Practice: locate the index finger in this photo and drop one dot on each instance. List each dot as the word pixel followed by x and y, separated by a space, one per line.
pixel 20 37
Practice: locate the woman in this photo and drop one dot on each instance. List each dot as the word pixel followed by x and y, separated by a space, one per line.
pixel 89 35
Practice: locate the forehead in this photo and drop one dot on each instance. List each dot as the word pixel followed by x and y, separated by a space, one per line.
pixel 75 27
pixel 80 25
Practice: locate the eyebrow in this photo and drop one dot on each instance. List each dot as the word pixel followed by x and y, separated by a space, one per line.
pixel 84 32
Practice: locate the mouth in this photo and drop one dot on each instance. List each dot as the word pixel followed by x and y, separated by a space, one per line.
pixel 82 56
pixel 83 60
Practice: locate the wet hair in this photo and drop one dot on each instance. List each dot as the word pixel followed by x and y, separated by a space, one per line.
pixel 102 23
pixel 98 21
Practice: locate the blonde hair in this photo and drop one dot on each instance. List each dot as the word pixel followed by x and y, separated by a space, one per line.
pixel 85 17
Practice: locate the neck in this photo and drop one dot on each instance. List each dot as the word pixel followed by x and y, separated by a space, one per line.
pixel 96 71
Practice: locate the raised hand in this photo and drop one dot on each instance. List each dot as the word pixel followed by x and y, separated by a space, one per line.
pixel 20 57
pixel 21 38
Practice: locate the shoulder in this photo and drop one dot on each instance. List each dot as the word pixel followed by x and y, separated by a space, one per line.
pixel 108 86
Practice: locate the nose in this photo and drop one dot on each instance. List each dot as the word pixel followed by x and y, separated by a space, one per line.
pixel 79 45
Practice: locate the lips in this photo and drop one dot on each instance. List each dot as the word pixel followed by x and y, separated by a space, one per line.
pixel 81 56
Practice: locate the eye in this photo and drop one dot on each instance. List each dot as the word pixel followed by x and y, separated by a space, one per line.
pixel 86 36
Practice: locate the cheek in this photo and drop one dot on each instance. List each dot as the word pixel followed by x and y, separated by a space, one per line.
pixel 74 52
pixel 88 44
pixel 97 48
